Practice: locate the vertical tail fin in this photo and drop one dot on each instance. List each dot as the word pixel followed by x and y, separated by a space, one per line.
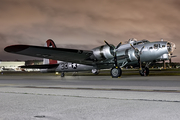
pixel 50 43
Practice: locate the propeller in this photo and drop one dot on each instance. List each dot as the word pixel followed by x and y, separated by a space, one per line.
pixel 112 47
pixel 138 54
pixel 170 60
pixel 164 64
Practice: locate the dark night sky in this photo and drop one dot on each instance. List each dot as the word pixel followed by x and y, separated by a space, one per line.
pixel 86 24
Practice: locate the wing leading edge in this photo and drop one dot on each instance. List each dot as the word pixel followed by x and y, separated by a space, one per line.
pixel 62 54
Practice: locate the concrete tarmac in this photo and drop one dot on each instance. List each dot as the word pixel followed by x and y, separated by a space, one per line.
pixel 89 97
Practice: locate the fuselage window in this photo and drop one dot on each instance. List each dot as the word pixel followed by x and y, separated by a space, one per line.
pixel 163 45
pixel 150 47
pixel 155 46
pixel 145 41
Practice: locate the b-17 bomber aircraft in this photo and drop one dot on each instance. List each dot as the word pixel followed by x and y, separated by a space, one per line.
pixel 103 57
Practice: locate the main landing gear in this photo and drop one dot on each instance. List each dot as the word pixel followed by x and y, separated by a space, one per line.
pixel 95 71
pixel 62 74
pixel 116 72
pixel 144 71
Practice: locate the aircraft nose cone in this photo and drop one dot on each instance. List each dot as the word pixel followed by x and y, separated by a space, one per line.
pixel 171 47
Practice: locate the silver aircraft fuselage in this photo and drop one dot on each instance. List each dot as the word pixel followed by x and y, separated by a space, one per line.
pixel 150 51
pixel 69 67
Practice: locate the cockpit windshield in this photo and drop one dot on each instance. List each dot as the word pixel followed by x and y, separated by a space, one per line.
pixel 135 42
pixel 145 41
pixel 132 40
pixel 140 42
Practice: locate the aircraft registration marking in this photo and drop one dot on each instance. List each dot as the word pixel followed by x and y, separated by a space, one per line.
pixel 65 66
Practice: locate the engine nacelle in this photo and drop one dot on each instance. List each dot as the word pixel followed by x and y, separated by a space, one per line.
pixel 103 52
pixel 133 55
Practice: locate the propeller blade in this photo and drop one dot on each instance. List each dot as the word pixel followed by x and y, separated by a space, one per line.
pixel 139 61
pixel 132 46
pixel 173 56
pixel 118 45
pixel 115 60
pixel 112 47
pixel 170 60
pixel 107 44
pixel 164 64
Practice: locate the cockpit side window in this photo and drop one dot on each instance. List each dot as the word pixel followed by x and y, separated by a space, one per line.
pixel 134 43
pixel 139 43
pixel 163 45
pixel 156 46
pixel 145 41
pixel 150 47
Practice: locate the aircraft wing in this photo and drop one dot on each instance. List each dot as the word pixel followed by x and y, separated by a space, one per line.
pixel 62 54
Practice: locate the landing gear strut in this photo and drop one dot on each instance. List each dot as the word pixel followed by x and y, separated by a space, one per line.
pixel 62 74
pixel 116 72
pixel 144 71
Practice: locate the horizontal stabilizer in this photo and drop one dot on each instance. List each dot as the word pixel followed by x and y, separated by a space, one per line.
pixel 45 66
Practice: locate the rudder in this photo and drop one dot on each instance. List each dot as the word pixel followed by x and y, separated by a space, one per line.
pixel 50 43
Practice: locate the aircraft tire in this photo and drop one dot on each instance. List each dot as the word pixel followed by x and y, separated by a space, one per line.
pixel 144 71
pixel 62 74
pixel 116 72
pixel 95 71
